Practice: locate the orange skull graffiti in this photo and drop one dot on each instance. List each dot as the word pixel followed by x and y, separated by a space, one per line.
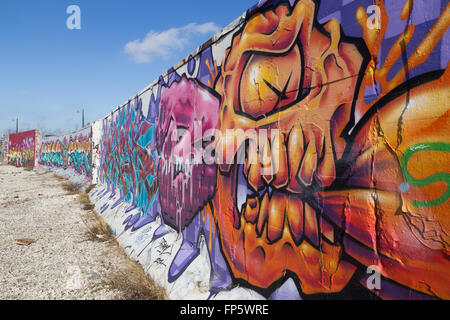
pixel 286 74
pixel 281 74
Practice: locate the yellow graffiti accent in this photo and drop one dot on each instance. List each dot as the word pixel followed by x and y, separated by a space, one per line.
pixel 374 38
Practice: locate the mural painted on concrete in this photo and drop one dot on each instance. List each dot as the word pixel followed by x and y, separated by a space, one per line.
pixel 128 163
pixel 4 141
pixel 335 115
pixel 72 151
pixel 21 149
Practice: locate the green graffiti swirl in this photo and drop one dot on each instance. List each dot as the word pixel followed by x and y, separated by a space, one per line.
pixel 441 176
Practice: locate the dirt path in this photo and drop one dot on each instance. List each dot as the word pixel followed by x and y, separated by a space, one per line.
pixel 63 262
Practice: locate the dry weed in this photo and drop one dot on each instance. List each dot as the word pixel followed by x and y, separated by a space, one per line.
pixel 96 228
pixel 134 284
pixel 71 188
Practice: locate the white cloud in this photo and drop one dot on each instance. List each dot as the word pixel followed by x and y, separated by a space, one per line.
pixel 163 44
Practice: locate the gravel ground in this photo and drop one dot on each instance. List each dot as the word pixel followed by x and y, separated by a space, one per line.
pixel 62 263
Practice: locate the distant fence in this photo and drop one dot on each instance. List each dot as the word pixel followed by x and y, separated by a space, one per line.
pixel 4 141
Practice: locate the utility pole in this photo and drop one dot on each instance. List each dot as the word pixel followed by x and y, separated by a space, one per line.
pixel 17 124
pixel 82 117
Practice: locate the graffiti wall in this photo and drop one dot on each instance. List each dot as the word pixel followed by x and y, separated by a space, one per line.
pixel 302 153
pixel 21 149
pixel 4 142
pixel 71 152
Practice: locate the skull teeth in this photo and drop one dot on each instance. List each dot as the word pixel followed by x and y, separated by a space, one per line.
pixel 272 212
pixel 241 194
pixel 269 191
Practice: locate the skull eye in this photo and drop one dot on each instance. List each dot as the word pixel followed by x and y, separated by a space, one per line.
pixel 281 94
pixel 269 83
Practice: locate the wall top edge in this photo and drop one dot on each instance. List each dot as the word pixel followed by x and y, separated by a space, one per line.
pixel 236 23
pixel 23 132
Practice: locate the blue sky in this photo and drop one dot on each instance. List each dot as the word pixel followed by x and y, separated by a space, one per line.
pixel 48 72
